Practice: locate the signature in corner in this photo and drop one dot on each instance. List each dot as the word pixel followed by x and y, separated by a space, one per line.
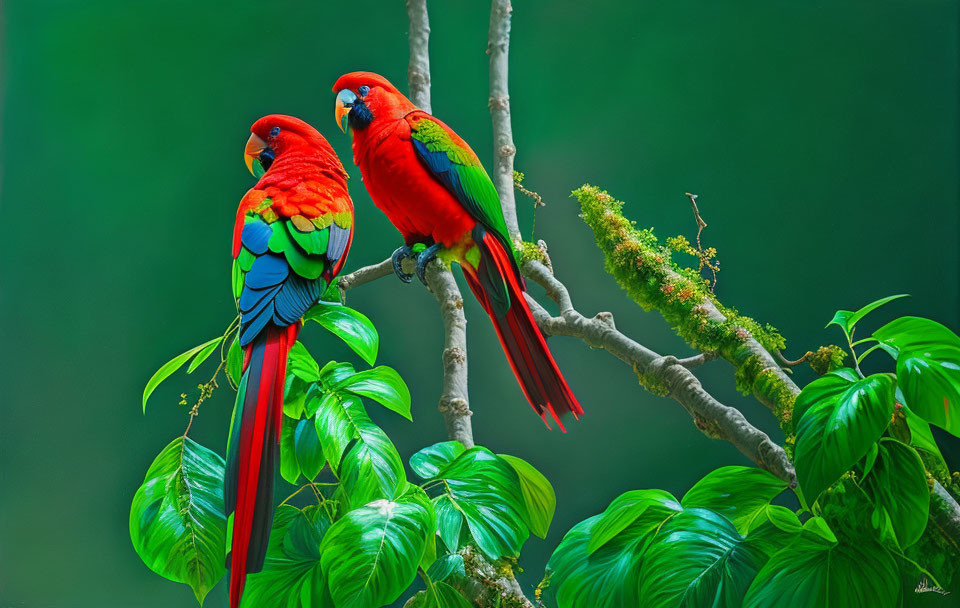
pixel 925 587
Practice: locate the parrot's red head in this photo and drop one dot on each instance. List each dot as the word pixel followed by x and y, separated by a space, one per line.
pixel 363 97
pixel 278 135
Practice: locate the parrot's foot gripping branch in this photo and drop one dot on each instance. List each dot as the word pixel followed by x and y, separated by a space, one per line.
pixel 397 258
pixel 426 256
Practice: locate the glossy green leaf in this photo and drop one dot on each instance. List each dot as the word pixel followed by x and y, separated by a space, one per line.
pixel 483 489
pixel 606 578
pixel 370 555
pixel 295 397
pixel 177 524
pixel 382 384
pixel 292 575
pixel 841 318
pixel 839 419
pixel 438 595
pixel 372 469
pixel 427 462
pixel 171 366
pixel 309 451
pixel 538 496
pixel 335 371
pixel 301 363
pixel 446 565
pixel 740 494
pixel 698 559
pixel 849 321
pixel 235 362
pixel 351 326
pixel 337 418
pixel 921 438
pixel 650 507
pixel 815 572
pixel 928 368
pixel 449 521
pixel 204 354
pixel 773 528
pixel 898 486
pixel 289 467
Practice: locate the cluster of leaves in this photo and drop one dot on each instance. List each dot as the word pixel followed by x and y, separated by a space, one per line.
pixel 369 531
pixel 862 444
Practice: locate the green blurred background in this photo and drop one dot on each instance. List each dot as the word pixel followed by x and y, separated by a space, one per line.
pixel 822 138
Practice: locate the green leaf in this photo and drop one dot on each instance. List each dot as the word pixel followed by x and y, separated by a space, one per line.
pixel 176 519
pixel 235 362
pixel 698 559
pixel 449 521
pixel 301 363
pixel 538 496
pixel 171 366
pixel 773 528
pixel 308 448
pixel 445 566
pixel 289 467
pixel 483 490
pixel 817 572
pixel 370 555
pixel 382 384
pixel 292 575
pixel 334 371
pixel 438 595
pixel 855 318
pixel 898 485
pixel 921 438
pixel 427 462
pixel 928 368
pixel 839 419
pixel 650 507
pixel 740 494
pixel 337 418
pixel 841 318
pixel 295 396
pixel 372 468
pixel 606 578
pixel 354 328
pixel 204 354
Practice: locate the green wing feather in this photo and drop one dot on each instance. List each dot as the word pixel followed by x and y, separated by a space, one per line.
pixel 456 166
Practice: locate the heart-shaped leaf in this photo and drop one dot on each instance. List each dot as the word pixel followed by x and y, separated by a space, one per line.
pixel 839 417
pixel 176 520
pixel 370 555
pixel 351 326
pixel 650 507
pixel 427 462
pixel 301 363
pixel 928 368
pixel 698 559
pixel 308 448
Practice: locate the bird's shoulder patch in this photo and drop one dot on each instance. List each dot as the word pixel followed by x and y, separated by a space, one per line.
pixel 437 137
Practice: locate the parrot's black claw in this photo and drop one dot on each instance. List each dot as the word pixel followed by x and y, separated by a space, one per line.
pixel 397 258
pixel 426 256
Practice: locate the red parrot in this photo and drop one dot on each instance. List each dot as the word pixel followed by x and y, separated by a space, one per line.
pixel 290 240
pixel 433 189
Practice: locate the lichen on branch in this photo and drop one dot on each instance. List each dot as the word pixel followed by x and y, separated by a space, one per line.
pixel 644 268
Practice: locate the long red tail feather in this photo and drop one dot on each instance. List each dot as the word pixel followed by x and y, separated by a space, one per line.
pixel 254 453
pixel 523 343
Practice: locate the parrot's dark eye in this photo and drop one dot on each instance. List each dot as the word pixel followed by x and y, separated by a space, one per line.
pixel 363 90
pixel 266 157
pixel 274 131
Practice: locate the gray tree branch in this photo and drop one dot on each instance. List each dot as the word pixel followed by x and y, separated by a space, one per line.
pixel 498 47
pixel 662 375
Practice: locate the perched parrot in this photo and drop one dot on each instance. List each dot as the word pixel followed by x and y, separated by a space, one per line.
pixel 434 190
pixel 290 240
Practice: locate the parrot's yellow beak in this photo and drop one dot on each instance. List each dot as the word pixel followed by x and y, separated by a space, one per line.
pixel 341 112
pixel 251 154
